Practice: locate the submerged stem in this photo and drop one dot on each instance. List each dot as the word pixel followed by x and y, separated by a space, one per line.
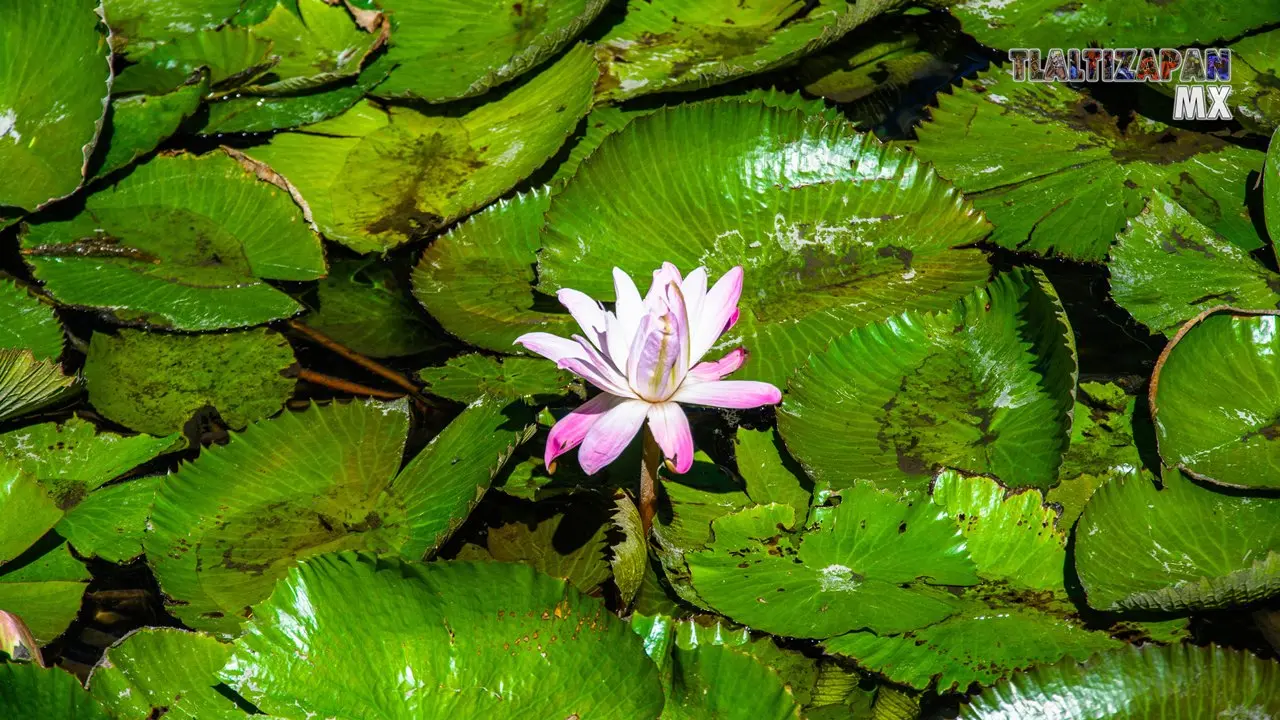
pixel 650 461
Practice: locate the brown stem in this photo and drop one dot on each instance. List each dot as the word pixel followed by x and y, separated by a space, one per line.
pixel 369 364
pixel 650 461
pixel 346 386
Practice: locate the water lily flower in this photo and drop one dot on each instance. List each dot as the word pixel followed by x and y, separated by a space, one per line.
pixel 646 358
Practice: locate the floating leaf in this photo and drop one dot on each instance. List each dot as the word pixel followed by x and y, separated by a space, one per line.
pixel 110 523
pixel 316 42
pixel 833 229
pixel 1177 549
pixel 28 510
pixel 28 384
pixel 297 659
pixel 867 563
pixel 1148 683
pixel 718 681
pixel 1167 267
pixel 1271 189
pixel 29 323
pixel 467 377
pixel 569 544
pixel 155 383
pixel 183 242
pixel 456 49
pixel 878 60
pixel 141 23
pixel 1056 175
pixel 1102 445
pixel 230 56
pixel 986 387
pixel 364 305
pixel 630 555
pixel 1255 85
pixel 229 524
pixel 44 586
pixel 48 129
pixel 30 692
pixel 690 44
pixel 138 124
pixel 375 178
pixel 769 477
pixel 1214 399
pixel 163 671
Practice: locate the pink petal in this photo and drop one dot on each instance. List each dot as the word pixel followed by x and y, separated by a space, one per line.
pixel 597 369
pixel 668 274
pixel 670 428
pixel 610 434
pixel 694 289
pixel 629 307
pixel 551 347
pixel 719 308
pixel 569 431
pixel 652 363
pixel 712 371
pixel 734 394
pixel 587 312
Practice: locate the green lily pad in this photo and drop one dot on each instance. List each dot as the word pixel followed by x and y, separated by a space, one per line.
pixel 316 42
pixel 1109 23
pixel 29 323
pixel 1148 683
pixel 364 305
pixel 867 563
pixel 231 56
pixel 48 129
pixel 138 124
pixel 163 671
pixel 375 178
pixel 986 387
pixel 28 510
pixel 467 377
pixel 110 523
pixel 629 557
pixel 229 524
pixel 877 60
pixel 1255 81
pixel 183 242
pixel 1214 399
pixel 1167 267
pixel 768 476
pixel 1271 189
pixel 30 692
pixel 44 587
pixel 456 49
pixel 691 44
pixel 833 229
pixel 155 383
pixel 28 383
pixel 1177 549
pixel 140 24
pixel 1055 174
pixel 468 658
pixel 1102 445
pixel 569 544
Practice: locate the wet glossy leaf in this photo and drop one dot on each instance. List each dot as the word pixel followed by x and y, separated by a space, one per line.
pixel 155 383
pixel 690 44
pixel 867 563
pixel 163 671
pixel 879 58
pixel 183 242
pixel 452 49
pixel 28 384
pixel 44 586
pixel 1151 683
pixel 1181 548
pixel 769 473
pixel 139 24
pixel 231 56
pixel 1102 445
pixel 73 458
pixel 229 524
pixel 364 305
pixel 1255 85
pixel 986 387
pixel 329 641
pixel 1215 399
pixel 317 43
pixel 1055 175
pixel 717 681
pixel 629 557
pixel 48 129
pixel 109 524
pixel 1109 23
pixel 375 178
pixel 571 545
pixel 138 124
pixel 29 323
pixel 28 509
pixel 467 377
pixel 1167 267
pixel 833 229
pixel 30 692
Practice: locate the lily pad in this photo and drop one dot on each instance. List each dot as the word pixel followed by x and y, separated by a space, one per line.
pixel 163 671
pixel 29 323
pixel 1148 683
pixel 1055 174
pixel 139 24
pixel 1109 23
pixel 110 523
pixel 467 377
pixel 690 44
pixel 833 229
pixel 1215 399
pixel 569 544
pixel 30 692
pixel 230 56
pixel 469 657
pixel 229 524
pixel 317 43
pixel 48 129
pixel 1167 267
pixel 1176 549
pixel 364 305
pixel 1102 445
pixel 629 557
pixel 1271 189
pixel 868 563
pixel 986 387
pixel 155 383
pixel 769 473
pixel 375 178
pixel 183 242
pixel 44 586
pixel 453 49
pixel 1255 81
pixel 28 383
pixel 138 124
